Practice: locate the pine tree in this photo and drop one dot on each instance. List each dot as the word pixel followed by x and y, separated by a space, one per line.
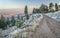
pixel 13 21
pixel 56 6
pixel 43 8
pixel 34 10
pixel 26 12
pixel 2 17
pixel 51 7
pixel 8 22
pixel 3 23
pixel 18 17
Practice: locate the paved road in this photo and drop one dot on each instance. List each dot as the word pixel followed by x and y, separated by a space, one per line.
pixel 48 28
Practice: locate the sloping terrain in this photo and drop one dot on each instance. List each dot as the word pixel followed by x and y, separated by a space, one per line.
pixel 49 28
pixel 55 15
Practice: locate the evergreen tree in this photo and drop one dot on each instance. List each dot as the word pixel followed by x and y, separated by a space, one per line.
pixel 13 21
pixel 43 8
pixel 3 23
pixel 34 10
pixel 18 17
pixel 2 17
pixel 51 7
pixel 56 6
pixel 26 12
pixel 8 22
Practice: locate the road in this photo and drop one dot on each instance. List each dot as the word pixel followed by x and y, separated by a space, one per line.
pixel 48 28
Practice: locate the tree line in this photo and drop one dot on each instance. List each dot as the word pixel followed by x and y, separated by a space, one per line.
pixel 4 23
pixel 13 22
pixel 43 9
pixel 46 9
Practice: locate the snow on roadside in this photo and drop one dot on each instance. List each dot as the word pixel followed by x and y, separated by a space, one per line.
pixel 55 15
pixel 34 18
pixel 28 27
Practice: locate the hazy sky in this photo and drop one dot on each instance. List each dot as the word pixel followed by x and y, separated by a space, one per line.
pixel 22 3
pixel 8 4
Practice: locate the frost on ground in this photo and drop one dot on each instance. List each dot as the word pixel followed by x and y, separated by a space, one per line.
pixel 33 20
pixel 55 15
pixel 27 29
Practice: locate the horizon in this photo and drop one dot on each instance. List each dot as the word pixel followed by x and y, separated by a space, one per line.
pixel 20 4
pixel 10 4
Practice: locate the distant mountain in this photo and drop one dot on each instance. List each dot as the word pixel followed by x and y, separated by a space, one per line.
pixel 13 11
pixel 10 12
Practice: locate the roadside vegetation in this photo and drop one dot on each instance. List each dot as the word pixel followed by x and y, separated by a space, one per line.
pixel 43 9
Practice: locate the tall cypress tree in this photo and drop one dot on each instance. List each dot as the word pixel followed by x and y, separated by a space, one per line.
pixel 26 12
pixel 56 6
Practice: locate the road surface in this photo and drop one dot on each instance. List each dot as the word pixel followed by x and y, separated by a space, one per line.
pixel 48 28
